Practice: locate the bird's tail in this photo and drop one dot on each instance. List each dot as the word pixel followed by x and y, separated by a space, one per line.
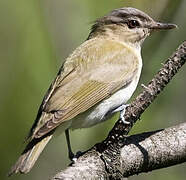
pixel 29 155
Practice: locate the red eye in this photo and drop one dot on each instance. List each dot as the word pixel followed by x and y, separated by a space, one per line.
pixel 133 24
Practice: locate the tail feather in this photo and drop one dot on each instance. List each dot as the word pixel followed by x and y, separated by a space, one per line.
pixel 29 155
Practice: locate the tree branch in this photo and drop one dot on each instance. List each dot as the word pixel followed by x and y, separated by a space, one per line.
pixel 111 158
pixel 141 153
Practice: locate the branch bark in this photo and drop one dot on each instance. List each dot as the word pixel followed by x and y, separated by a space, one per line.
pixel 141 153
pixel 112 157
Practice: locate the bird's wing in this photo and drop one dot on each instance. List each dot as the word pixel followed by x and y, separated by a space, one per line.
pixel 92 73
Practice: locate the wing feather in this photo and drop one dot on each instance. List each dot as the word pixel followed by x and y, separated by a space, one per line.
pixel 87 85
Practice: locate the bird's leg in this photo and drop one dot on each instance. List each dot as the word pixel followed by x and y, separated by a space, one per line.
pixel 73 157
pixel 122 109
pixel 70 153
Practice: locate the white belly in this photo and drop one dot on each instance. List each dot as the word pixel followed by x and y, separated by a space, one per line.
pixel 97 113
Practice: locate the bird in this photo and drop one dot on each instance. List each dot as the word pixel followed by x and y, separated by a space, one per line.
pixel 95 81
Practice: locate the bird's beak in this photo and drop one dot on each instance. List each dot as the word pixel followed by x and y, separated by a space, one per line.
pixel 162 26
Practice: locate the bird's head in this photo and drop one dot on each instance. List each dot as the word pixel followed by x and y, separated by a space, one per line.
pixel 127 24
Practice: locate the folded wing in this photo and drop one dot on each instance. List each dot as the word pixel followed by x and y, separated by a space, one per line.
pixel 92 73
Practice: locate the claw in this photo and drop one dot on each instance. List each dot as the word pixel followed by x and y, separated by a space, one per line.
pixel 76 156
pixel 122 109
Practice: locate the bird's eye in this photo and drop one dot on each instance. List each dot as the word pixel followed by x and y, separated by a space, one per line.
pixel 133 24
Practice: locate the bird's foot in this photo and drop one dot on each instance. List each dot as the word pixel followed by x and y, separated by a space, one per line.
pixel 122 109
pixel 76 156
pixel 73 157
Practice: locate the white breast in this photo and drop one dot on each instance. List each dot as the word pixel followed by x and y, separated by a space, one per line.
pixel 97 113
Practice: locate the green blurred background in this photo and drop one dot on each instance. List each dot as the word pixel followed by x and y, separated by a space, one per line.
pixel 36 36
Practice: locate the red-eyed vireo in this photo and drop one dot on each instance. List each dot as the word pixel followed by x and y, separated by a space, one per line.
pixel 97 79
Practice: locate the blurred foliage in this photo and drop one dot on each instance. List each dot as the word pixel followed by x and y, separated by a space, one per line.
pixel 36 36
